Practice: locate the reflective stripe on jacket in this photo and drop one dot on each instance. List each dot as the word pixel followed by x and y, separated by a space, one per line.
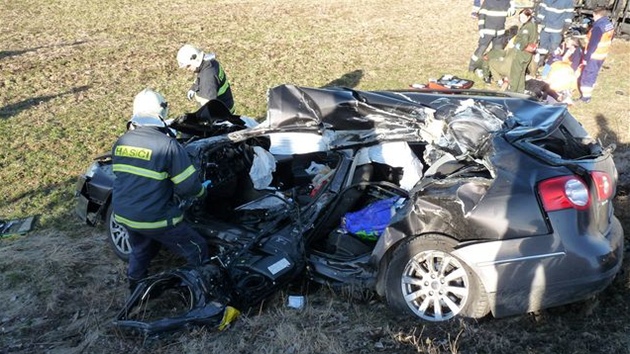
pixel 151 168
pixel 555 14
pixel 212 83
pixel 599 39
pixel 492 16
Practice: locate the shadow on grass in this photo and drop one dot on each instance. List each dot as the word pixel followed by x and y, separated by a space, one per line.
pixel 55 204
pixel 349 80
pixel 12 53
pixel 15 108
pixel 607 136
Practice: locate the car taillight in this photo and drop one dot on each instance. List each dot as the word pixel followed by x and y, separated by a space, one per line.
pixel 564 192
pixel 603 184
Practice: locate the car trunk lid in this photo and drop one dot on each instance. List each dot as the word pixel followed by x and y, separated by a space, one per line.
pixel 553 135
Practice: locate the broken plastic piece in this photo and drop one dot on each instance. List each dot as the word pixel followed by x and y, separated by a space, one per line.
pixel 16 226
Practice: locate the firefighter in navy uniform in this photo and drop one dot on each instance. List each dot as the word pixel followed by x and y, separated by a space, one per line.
pixel 151 169
pixel 555 17
pixel 211 81
pixel 492 15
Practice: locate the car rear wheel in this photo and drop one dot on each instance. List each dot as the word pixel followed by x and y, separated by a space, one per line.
pixel 426 280
pixel 118 236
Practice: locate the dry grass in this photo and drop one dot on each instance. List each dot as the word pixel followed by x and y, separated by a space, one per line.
pixel 68 74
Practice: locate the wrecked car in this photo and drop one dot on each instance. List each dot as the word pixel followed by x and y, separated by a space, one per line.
pixel 445 203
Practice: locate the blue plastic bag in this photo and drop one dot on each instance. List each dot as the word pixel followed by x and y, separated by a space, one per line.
pixel 370 222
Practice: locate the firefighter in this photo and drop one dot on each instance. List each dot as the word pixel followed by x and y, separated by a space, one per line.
pixel 152 169
pixel 492 15
pixel 555 17
pixel 475 9
pixel 211 81
pixel 598 42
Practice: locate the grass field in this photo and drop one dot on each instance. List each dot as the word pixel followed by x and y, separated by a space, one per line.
pixel 68 73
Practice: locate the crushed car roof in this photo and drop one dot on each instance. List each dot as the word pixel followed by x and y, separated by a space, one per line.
pixel 293 107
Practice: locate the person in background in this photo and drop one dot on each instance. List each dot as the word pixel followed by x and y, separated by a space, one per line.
pixel 492 15
pixel 211 81
pixel 563 69
pixel 510 65
pixel 598 41
pixel 554 17
pixel 152 169
pixel 570 51
pixel 525 43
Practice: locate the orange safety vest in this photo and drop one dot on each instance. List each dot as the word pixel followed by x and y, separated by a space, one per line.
pixel 603 47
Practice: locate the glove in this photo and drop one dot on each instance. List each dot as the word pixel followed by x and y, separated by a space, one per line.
pixel 511 11
pixel 206 184
pixel 190 94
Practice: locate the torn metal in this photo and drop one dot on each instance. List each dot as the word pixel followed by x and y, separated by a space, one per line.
pixel 471 164
pixel 198 297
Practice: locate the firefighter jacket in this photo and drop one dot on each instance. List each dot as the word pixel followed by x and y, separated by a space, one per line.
pixel 555 15
pixel 492 17
pixel 212 83
pixel 151 168
pixel 599 39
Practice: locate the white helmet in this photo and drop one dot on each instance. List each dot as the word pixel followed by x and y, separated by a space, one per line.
pixel 189 55
pixel 149 108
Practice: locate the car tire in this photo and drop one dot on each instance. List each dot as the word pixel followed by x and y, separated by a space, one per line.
pixel 117 236
pixel 426 280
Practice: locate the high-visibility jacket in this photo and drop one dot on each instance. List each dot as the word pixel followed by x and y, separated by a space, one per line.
pixel 212 83
pixel 492 17
pixel 555 14
pixel 151 168
pixel 599 39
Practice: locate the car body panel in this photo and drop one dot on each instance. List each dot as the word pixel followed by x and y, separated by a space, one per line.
pixel 527 274
pixel 484 154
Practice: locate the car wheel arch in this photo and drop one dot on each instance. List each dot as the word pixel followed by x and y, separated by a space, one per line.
pixel 475 304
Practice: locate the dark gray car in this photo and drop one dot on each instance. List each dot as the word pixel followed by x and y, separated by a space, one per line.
pixel 446 203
